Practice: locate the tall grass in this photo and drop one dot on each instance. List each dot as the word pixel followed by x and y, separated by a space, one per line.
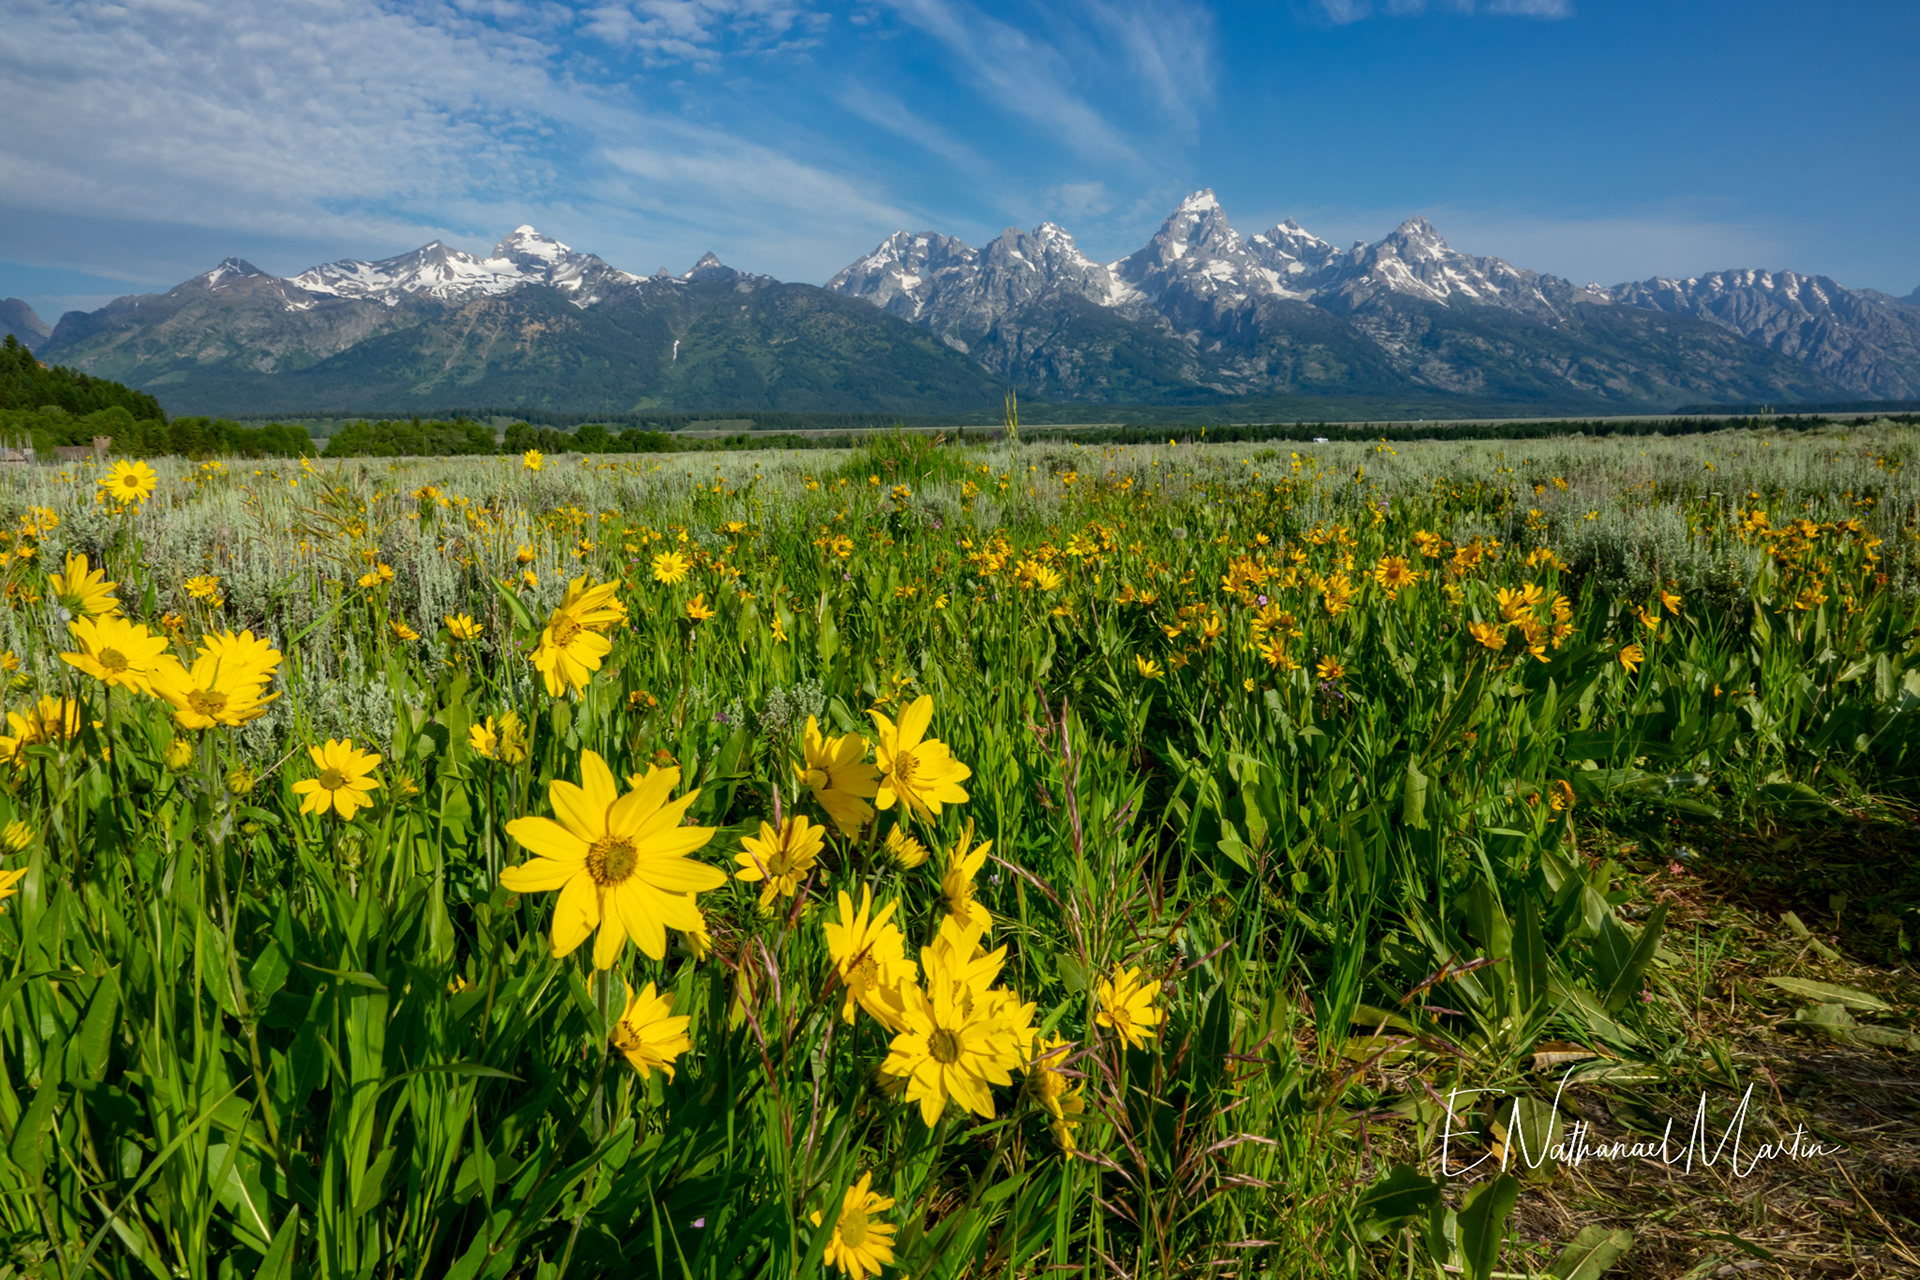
pixel 1334 827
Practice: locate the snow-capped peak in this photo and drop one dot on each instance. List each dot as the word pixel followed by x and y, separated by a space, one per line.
pixel 229 268
pixel 1296 254
pixel 524 257
pixel 1197 253
pixel 524 244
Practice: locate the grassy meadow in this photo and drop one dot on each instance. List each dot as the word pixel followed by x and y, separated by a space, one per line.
pixel 1006 861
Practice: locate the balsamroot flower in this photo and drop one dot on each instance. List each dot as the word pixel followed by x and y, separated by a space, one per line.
pixel 1056 1089
pixel 838 775
pixel 1127 1006
pixel 956 1044
pixel 82 590
pixel 905 850
pixel 345 778
pixel 648 1033
pixel 116 652
pixel 128 482
pixel 917 771
pixel 780 860
pixel 860 1246
pixel 619 862
pixel 964 861
pixel 226 685
pixel 48 720
pixel 870 955
pixel 670 567
pixel 1489 635
pixel 572 644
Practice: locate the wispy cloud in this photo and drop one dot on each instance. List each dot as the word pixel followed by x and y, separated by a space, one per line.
pixel 375 128
pixel 701 31
pixel 1343 12
pixel 1018 73
pixel 887 112
pixel 1168 48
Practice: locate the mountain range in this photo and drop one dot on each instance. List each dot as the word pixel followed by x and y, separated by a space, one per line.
pixel 928 324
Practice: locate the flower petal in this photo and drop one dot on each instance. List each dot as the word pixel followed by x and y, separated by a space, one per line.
pixel 670 872
pixel 575 915
pixel 641 918
pixel 546 838
pixel 608 943
pixel 913 723
pixel 574 807
pixel 540 875
pixel 597 781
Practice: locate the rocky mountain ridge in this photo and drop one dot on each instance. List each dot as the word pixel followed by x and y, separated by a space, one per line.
pixel 1207 284
pixel 1198 314
pixel 18 320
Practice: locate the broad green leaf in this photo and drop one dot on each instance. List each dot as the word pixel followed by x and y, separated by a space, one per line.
pixel 1591 1253
pixel 1483 1224
pixel 1404 1194
pixel 278 1264
pixel 1829 993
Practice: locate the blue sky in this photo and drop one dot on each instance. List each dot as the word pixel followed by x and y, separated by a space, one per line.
pixel 1599 139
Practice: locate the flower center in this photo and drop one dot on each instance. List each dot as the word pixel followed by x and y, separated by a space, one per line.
pixel 332 779
pixel 903 769
pixel 209 702
pixel 611 860
pixel 853 1228
pixel 112 661
pixel 944 1046
pixel 780 864
pixel 564 630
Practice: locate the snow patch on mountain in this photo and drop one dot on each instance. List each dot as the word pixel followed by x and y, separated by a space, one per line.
pixel 524 257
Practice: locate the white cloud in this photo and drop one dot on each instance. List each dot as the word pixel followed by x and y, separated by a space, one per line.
pixel 701 30
pixel 1343 12
pixel 885 111
pixel 1532 8
pixel 1167 47
pixel 1018 73
pixel 375 128
pixel 1070 202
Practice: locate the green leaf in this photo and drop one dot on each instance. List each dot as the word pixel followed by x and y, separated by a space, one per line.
pixel 1483 1224
pixel 96 1032
pixel 1531 971
pixel 353 977
pixel 1593 1251
pixel 372 1183
pixel 269 972
pixel 278 1264
pixel 1626 984
pixel 27 1150
pixel 522 620
pixel 1073 975
pixel 1404 1194
pixel 1828 993
pixel 1413 798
